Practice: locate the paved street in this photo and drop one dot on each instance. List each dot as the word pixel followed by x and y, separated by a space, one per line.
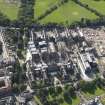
pixel 5 50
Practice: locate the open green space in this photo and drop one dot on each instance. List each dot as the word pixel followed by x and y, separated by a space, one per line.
pixel 37 100
pixel 75 101
pixel 42 5
pixel 61 96
pixel 8 9
pixel 69 12
pixel 98 5
pixel 103 101
pixel 96 92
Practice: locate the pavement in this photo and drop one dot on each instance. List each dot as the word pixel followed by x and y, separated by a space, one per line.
pixel 5 50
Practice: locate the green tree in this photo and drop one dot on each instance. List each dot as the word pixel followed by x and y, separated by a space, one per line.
pixel 58 90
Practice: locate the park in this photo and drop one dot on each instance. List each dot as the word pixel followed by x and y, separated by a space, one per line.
pixel 65 13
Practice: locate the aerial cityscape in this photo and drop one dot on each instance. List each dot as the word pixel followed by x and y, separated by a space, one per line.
pixel 52 52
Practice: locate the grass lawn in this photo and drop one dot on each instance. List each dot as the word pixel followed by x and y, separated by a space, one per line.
pixel 42 5
pixel 68 12
pixel 10 10
pixel 103 101
pixel 60 98
pixel 37 100
pixel 74 102
pixel 98 5
pixel 97 92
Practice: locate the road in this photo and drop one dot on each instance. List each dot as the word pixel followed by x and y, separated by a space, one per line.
pixel 101 67
pixel 82 98
pixel 5 50
pixel 32 103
